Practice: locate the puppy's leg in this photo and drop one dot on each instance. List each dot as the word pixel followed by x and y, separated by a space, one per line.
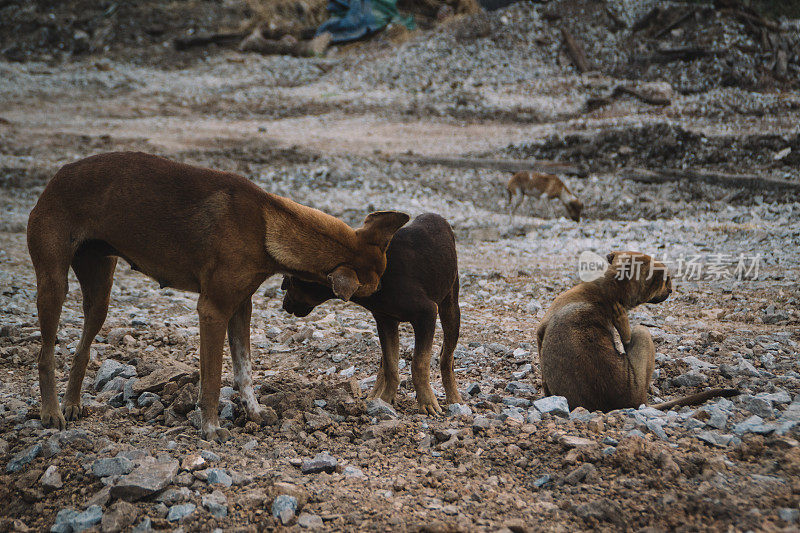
pixel 388 373
pixel 642 357
pixel 619 317
pixel 95 273
pixel 50 257
pixel 239 342
pixel 213 321
pixel 424 328
pixel 516 205
pixel 450 316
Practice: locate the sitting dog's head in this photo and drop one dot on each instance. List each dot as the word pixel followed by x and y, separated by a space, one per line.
pixel 574 208
pixel 361 275
pixel 303 296
pixel 649 279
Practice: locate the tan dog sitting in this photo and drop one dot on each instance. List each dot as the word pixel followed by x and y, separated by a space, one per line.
pixel 544 186
pixel 578 356
pixel 193 229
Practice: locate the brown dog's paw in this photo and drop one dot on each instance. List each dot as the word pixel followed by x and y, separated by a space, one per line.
pixel 429 405
pixel 53 419
pixel 216 434
pixel 73 411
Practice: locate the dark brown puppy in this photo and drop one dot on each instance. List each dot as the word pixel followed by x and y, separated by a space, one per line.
pixel 545 186
pixel 578 356
pixel 193 229
pixel 421 276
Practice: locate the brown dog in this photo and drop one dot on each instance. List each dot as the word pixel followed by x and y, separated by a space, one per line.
pixel 421 278
pixel 578 357
pixel 193 229
pixel 544 186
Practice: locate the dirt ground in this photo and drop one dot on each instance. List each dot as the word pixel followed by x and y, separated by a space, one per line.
pixel 322 132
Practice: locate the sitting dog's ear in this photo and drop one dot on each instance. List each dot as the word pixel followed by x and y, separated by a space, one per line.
pixel 344 282
pixel 610 257
pixel 380 226
pixel 286 283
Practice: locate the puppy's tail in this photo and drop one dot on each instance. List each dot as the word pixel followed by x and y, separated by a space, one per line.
pixel 696 399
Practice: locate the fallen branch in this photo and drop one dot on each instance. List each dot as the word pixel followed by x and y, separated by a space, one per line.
pixel 602 101
pixel 184 43
pixel 745 181
pixel 677 21
pixel 753 19
pixel 575 51
pixel 667 55
pixel 504 165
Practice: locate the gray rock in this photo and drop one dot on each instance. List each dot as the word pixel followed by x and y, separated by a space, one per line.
pixel 716 439
pixel 481 423
pixel 757 406
pixel 523 371
pixel 51 479
pixel 88 518
pixel 380 409
pixel 754 424
pixel 147 398
pixel 556 405
pixel 322 462
pixel 23 458
pixel 542 481
pixel 473 389
pixel 144 480
pixel 216 503
pixel 284 508
pixel 780 397
pixel 520 387
pixel 601 510
pixel 218 476
pixel 352 472
pixel 690 379
pixel 227 409
pixel 309 521
pixel 63 521
pixel 173 495
pixel 533 416
pixel 144 526
pixel 180 511
pixel 112 466
pixel 524 403
pixel 579 473
pixel 115 384
pixel 788 515
pixel 514 413
pixel 120 517
pixel 459 409
pixel 209 456
pixel 717 417
pixel 111 369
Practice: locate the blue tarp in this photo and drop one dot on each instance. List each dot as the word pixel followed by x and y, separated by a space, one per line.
pixel 354 19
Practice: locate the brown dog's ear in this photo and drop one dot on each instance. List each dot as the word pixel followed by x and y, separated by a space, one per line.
pixel 380 226
pixel 344 282
pixel 610 257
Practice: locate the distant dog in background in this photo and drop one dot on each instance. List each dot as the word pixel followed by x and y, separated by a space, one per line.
pixel 544 186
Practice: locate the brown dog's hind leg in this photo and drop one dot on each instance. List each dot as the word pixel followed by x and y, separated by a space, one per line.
pixel 95 272
pixel 388 375
pixel 450 316
pixel 239 343
pixel 213 321
pixel 642 356
pixel 51 262
pixel 516 205
pixel 424 328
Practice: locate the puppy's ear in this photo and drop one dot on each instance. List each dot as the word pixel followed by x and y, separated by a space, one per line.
pixel 286 283
pixel 380 226
pixel 610 257
pixel 344 282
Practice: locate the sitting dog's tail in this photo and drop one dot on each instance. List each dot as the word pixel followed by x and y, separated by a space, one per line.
pixel 695 399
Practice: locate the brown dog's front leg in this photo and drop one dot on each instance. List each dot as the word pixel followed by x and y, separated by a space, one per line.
pixel 212 339
pixel 239 342
pixel 619 318
pixel 388 376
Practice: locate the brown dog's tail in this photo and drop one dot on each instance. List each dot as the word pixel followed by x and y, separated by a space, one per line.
pixel 695 399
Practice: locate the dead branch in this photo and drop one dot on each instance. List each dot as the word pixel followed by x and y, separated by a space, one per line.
pixel 688 53
pixel 745 181
pixel 575 51
pixel 602 101
pixel 504 165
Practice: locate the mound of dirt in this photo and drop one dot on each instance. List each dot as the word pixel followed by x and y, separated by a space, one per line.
pixel 666 145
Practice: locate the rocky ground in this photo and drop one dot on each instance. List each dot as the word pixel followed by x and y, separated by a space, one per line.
pixel 318 130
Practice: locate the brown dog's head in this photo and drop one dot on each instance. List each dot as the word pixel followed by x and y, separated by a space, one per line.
pixel 303 296
pixel 361 275
pixel 574 208
pixel 649 279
